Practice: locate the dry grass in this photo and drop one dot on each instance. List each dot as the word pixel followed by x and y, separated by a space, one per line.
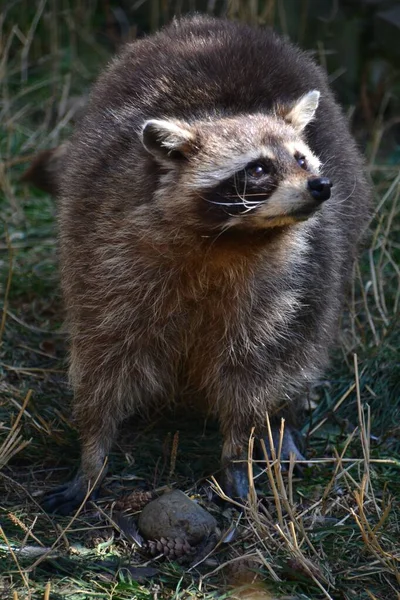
pixel 285 528
pixel 331 534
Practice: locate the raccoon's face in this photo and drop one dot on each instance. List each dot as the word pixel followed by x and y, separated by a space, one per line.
pixel 250 171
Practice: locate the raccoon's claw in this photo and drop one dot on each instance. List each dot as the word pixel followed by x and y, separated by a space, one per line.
pixel 67 498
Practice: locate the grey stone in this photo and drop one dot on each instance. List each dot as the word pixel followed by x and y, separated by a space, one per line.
pixel 174 515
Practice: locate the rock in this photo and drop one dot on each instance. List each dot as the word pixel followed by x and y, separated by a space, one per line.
pixel 174 515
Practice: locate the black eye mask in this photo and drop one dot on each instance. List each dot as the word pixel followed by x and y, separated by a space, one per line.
pixel 240 194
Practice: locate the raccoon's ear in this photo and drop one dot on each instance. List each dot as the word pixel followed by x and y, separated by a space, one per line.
pixel 303 111
pixel 167 140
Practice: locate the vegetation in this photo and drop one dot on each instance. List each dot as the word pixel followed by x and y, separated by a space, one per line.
pixel 333 533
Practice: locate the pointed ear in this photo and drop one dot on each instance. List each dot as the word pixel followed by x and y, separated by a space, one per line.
pixel 303 111
pixel 167 139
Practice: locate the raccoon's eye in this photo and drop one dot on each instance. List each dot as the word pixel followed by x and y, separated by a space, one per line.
pixel 256 170
pixel 301 161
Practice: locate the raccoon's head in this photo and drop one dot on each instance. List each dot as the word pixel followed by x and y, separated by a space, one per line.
pixel 249 171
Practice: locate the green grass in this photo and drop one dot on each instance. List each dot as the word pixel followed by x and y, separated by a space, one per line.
pixel 331 534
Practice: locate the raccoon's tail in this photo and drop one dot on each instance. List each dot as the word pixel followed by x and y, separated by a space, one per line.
pixel 46 168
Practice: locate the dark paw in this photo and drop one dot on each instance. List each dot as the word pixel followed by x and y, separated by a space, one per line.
pixel 289 446
pixel 67 498
pixel 234 481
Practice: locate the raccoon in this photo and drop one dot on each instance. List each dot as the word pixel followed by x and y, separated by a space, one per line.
pixel 211 203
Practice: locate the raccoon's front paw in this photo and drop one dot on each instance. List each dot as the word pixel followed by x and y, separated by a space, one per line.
pixel 289 446
pixel 234 481
pixel 68 497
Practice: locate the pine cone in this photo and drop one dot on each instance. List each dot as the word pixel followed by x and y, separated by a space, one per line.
pixel 169 547
pixel 134 501
pixel 95 537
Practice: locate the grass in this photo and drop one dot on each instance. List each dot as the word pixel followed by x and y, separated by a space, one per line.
pixel 331 534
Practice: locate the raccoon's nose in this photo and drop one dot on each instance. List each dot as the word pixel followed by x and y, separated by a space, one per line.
pixel 320 188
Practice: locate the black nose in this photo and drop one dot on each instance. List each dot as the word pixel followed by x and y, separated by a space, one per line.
pixel 320 188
